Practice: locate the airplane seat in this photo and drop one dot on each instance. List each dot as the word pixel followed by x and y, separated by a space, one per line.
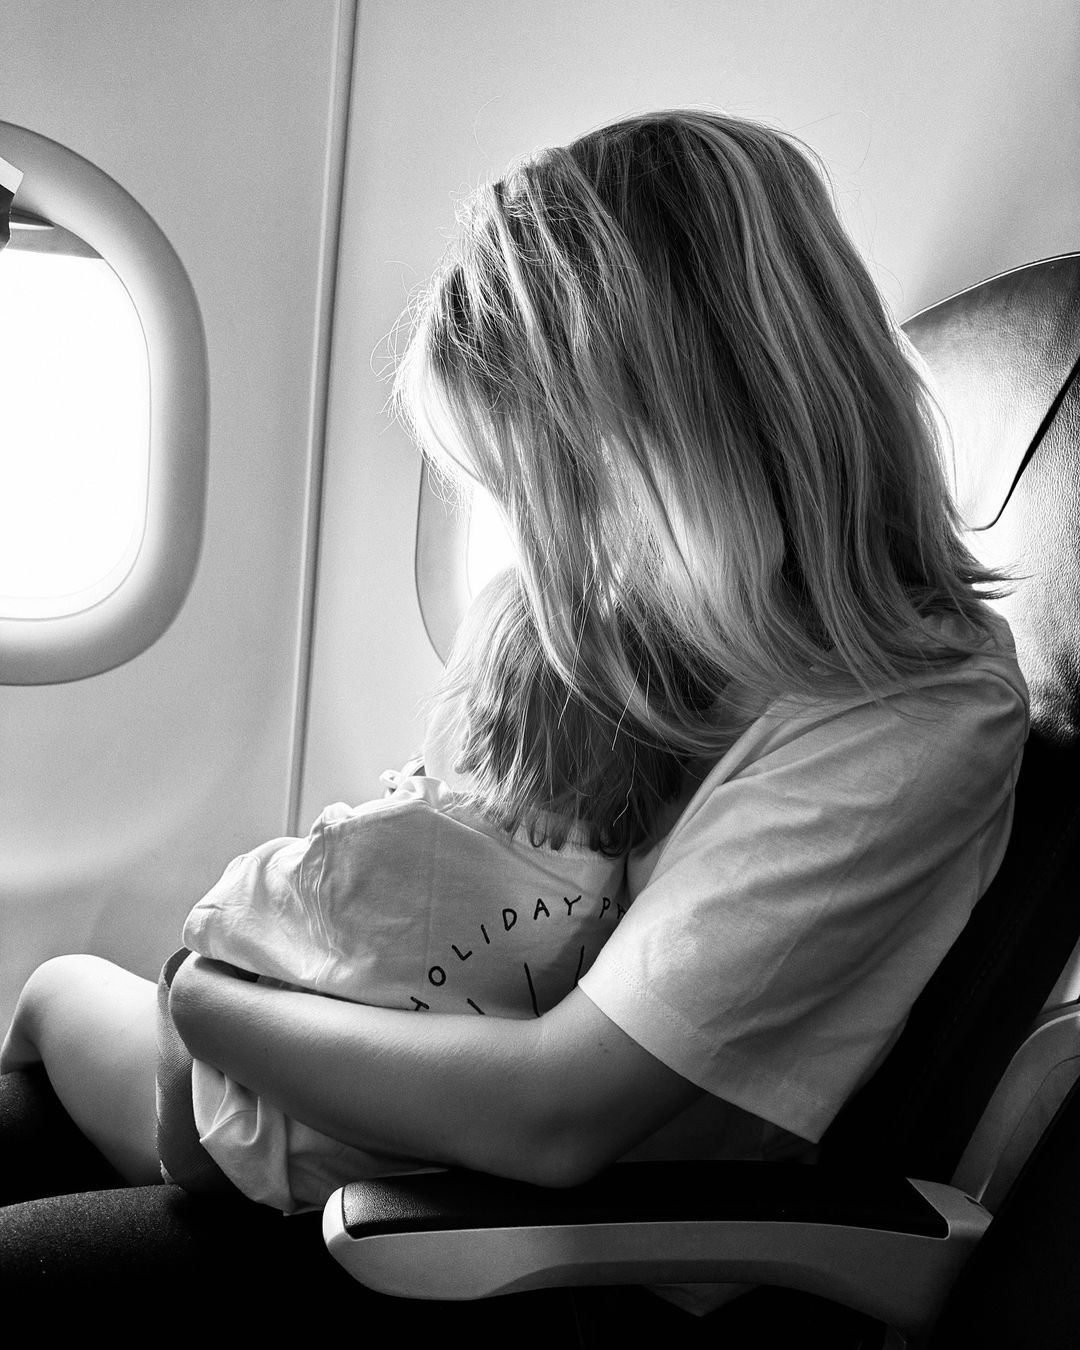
pixel 973 1102
pixel 1003 357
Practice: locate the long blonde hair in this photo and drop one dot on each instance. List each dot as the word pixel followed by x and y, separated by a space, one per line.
pixel 661 354
pixel 532 753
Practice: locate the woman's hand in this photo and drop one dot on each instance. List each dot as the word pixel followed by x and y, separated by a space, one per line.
pixel 550 1100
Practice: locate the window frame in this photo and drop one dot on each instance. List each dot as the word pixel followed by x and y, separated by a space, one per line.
pixel 45 236
pixel 65 190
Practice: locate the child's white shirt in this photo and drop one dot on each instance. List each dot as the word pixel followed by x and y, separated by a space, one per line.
pixel 412 901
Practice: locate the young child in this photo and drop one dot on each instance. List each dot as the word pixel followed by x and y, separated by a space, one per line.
pixel 490 896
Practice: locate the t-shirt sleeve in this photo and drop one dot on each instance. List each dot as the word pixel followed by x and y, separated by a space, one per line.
pixel 808 892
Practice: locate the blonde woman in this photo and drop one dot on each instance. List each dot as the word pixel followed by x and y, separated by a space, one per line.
pixel 659 352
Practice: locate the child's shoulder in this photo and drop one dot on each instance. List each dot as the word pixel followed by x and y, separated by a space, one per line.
pixel 408 793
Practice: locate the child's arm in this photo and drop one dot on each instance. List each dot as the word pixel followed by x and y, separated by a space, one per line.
pixel 92 1025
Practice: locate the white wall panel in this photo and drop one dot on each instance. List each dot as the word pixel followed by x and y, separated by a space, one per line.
pixel 123 796
pixel 951 130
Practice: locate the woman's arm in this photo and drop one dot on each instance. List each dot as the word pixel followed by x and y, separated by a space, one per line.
pixel 550 1100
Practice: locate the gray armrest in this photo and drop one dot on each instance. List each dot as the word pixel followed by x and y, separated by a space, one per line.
pixel 888 1247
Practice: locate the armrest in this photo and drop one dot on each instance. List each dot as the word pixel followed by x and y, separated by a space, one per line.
pixel 886 1246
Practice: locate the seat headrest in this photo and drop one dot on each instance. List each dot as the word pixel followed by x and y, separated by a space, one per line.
pixel 1001 354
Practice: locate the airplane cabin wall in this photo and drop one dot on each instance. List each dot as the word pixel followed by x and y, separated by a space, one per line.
pixel 951 132
pixel 123 796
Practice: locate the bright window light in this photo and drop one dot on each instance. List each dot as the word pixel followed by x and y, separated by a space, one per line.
pixel 489 547
pixel 74 446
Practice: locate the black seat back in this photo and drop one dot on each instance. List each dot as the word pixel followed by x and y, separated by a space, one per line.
pixel 1004 356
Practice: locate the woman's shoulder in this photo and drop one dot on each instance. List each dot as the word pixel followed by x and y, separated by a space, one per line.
pixel 955 728
pixel 947 701
pixel 993 658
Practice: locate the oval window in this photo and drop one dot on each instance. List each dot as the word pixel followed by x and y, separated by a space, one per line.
pixel 488 549
pixel 460 545
pixel 74 454
pixel 104 401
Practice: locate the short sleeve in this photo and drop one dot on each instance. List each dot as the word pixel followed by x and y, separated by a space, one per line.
pixel 811 887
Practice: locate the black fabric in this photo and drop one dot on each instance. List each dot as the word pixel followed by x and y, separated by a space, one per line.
pixel 106 1256
pixel 643 1192
pixel 42 1151
pixel 176 1269
pixel 922 1107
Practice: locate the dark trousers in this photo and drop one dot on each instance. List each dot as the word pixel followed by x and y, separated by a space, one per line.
pixel 80 1252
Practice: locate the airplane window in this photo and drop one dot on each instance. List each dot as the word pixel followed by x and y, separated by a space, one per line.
pixel 76 394
pixel 104 401
pixel 459 547
pixel 488 549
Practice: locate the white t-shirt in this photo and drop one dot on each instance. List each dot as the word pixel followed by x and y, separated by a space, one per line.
pixel 412 901
pixel 781 931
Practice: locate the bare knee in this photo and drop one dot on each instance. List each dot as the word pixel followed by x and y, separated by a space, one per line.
pixel 50 990
pixel 59 979
pixel 92 1024
pixel 61 972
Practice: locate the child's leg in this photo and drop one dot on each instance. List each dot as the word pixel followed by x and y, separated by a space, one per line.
pixel 42 1151
pixel 93 1025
